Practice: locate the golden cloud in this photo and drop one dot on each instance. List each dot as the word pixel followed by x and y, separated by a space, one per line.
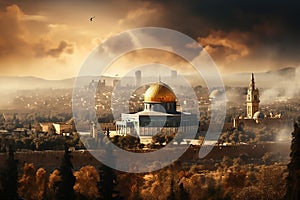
pixel 63 47
pixel 16 40
pixel 228 46
pixel 147 12
pixel 13 32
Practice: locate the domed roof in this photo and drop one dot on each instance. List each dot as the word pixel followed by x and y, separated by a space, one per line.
pixel 258 115
pixel 159 92
pixel 215 94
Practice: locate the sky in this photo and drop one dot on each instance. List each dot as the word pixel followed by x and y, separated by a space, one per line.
pixel 51 39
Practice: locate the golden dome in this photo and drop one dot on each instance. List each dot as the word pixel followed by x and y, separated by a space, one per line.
pixel 159 92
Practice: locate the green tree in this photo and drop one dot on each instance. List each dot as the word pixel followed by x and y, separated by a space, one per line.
pixel 108 179
pixel 293 179
pixel 183 194
pixel 107 182
pixel 159 138
pixel 87 179
pixel 172 192
pixel 271 181
pixel 32 184
pixel 9 177
pixel 235 179
pixel 27 184
pixel 53 184
pixel 226 162
pixel 41 179
pixel 136 194
pixel 126 142
pixel 250 193
pixel 66 186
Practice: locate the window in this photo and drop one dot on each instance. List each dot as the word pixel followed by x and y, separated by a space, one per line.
pixel 255 97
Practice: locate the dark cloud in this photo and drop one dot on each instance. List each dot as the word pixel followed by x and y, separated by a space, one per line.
pixel 240 30
pixel 63 47
pixel 228 15
pixel 118 44
pixel 227 46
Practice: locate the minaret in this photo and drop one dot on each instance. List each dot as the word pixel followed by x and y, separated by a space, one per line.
pixel 93 131
pixel 252 98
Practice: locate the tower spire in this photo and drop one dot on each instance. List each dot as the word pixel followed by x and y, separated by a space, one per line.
pixel 252 98
pixel 252 82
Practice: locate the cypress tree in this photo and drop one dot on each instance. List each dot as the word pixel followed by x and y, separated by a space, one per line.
pixel 172 193
pixel 108 179
pixel 137 195
pixel 65 189
pixel 107 182
pixel 183 193
pixel 9 177
pixel 293 179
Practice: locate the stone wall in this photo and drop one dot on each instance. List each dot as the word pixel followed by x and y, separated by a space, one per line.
pixel 51 160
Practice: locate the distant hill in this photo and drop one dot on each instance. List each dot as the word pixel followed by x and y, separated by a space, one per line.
pixel 13 83
pixel 273 78
pixel 263 79
pixel 16 83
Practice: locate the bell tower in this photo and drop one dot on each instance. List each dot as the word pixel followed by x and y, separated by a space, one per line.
pixel 252 98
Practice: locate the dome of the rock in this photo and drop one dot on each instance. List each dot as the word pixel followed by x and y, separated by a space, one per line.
pixel 159 92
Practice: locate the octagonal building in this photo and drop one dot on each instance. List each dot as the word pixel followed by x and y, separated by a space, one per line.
pixel 159 115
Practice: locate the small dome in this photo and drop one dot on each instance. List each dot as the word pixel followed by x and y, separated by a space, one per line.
pixel 159 92
pixel 215 94
pixel 258 115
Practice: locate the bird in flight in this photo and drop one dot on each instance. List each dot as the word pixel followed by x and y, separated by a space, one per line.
pixel 92 18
